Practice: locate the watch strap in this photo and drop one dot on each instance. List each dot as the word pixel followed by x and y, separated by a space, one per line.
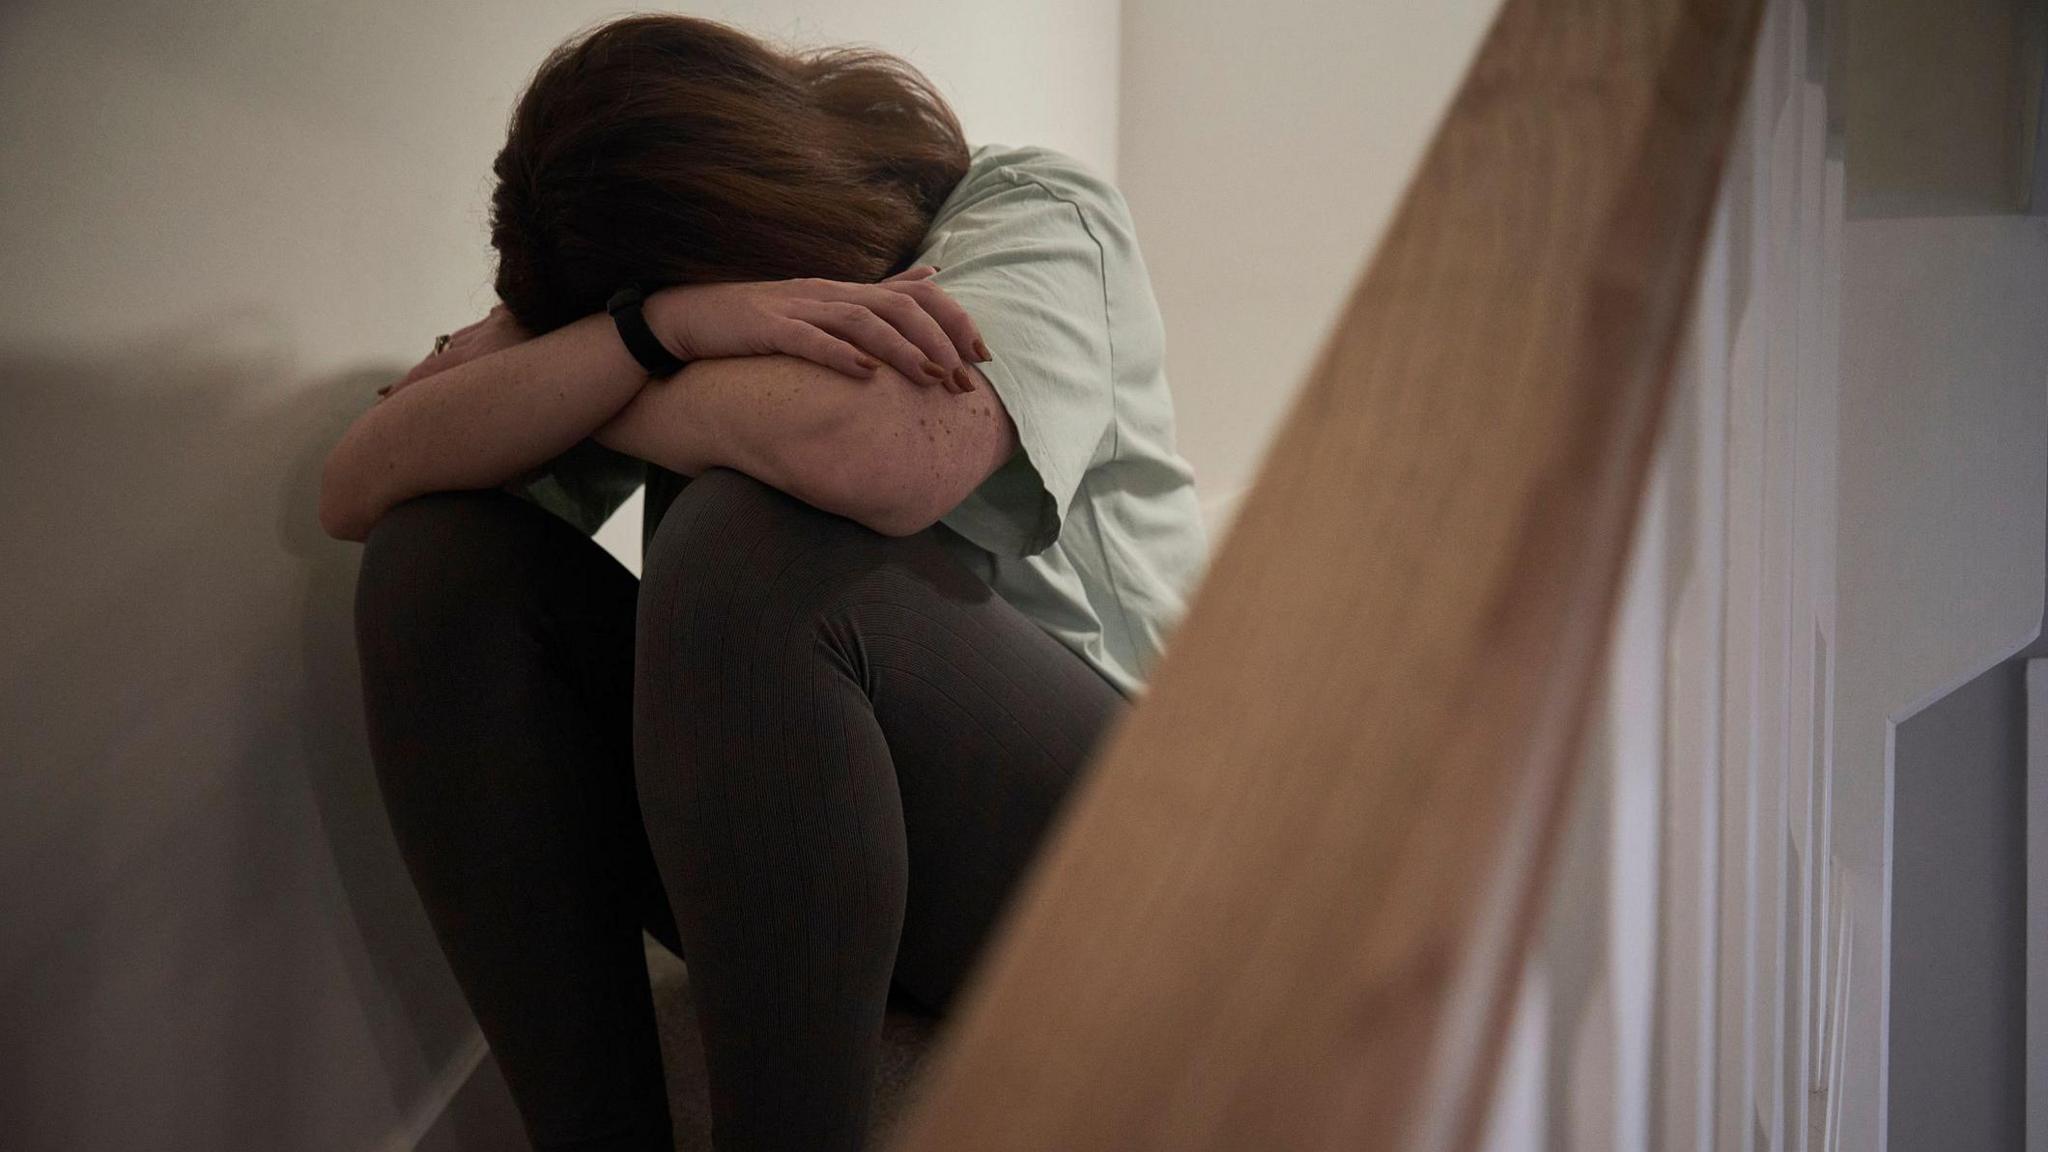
pixel 625 308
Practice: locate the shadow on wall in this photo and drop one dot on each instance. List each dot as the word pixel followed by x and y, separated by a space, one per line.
pixel 209 938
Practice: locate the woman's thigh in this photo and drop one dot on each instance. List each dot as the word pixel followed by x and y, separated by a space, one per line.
pixel 838 676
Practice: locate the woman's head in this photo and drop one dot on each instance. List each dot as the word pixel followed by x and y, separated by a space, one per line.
pixel 659 150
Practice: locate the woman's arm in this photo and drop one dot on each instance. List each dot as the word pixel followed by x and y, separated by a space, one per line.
pixel 496 405
pixel 477 424
pixel 883 451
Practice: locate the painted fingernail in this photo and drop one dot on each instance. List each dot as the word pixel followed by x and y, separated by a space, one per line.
pixel 932 369
pixel 981 350
pixel 868 362
pixel 964 378
pixel 384 391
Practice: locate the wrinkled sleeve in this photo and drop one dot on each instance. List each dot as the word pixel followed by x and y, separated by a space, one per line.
pixel 1024 264
pixel 584 485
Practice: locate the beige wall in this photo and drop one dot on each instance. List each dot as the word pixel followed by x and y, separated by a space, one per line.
pixel 221 225
pixel 1264 147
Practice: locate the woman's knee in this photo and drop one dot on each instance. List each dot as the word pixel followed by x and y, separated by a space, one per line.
pixel 727 528
pixel 738 568
pixel 446 560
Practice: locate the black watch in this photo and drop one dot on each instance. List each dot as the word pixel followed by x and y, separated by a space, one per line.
pixel 653 355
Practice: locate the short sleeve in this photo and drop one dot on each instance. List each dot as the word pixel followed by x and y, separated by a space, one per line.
pixel 584 485
pixel 1023 263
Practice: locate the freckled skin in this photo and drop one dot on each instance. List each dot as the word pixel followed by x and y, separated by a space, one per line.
pixel 794 425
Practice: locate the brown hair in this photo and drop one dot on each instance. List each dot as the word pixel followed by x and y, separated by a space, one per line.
pixel 657 150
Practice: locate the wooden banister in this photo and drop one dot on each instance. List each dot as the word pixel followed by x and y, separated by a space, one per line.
pixel 1285 908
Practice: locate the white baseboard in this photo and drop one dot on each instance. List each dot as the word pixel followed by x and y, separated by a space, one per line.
pixel 432 1108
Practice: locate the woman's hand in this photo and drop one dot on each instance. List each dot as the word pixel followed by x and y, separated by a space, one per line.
pixel 495 331
pixel 906 322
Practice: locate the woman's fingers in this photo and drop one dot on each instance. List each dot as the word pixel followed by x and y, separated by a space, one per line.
pixel 821 347
pixel 906 322
pixel 463 334
pixel 428 365
pixel 950 316
pixel 857 325
pixel 908 317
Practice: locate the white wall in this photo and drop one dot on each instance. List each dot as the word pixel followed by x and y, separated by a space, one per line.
pixel 1264 149
pixel 222 224
pixel 1944 498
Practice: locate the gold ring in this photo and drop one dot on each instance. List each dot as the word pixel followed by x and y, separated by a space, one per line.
pixel 441 342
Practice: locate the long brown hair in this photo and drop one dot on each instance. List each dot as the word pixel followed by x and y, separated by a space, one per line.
pixel 660 149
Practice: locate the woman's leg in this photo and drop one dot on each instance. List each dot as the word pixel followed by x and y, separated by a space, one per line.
pixel 848 751
pixel 497 657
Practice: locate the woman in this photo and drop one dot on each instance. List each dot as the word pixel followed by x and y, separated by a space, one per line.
pixel 935 534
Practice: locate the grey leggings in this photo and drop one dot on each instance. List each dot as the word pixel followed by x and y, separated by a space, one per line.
pixel 811 759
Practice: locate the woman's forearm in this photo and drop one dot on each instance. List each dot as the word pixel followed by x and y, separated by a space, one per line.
pixel 478 424
pixel 883 451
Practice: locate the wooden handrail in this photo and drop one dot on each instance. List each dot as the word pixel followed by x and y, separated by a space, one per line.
pixel 1286 907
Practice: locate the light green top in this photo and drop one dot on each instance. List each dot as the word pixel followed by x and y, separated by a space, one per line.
pixel 1092 530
